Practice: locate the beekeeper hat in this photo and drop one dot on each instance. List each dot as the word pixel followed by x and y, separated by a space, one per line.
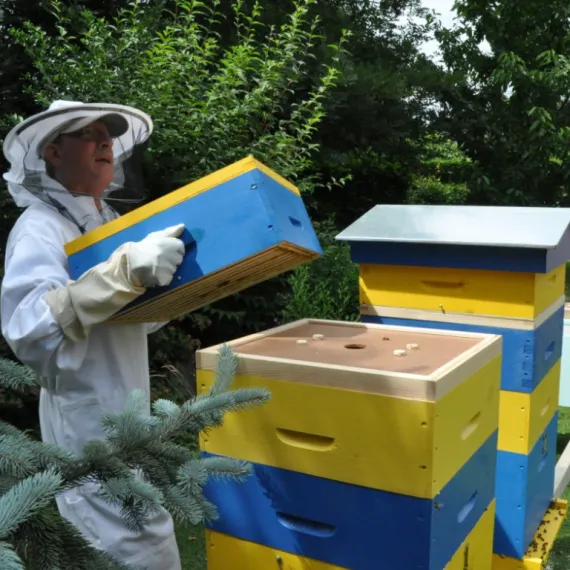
pixel 24 144
pixel 116 124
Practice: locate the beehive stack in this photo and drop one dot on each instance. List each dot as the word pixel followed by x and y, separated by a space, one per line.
pixel 244 224
pixel 491 270
pixel 376 450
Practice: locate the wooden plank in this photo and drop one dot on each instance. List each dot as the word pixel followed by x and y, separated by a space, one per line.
pixel 217 285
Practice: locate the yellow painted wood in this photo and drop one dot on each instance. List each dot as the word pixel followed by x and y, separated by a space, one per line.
pixel 524 417
pixel 176 197
pixel 468 291
pixel 225 552
pixel 539 551
pixel 476 552
pixel 395 444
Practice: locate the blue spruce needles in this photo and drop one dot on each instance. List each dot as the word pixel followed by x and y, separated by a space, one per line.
pixel 140 467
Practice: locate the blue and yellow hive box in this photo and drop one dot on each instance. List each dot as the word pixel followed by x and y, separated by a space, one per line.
pixel 223 552
pixel 376 439
pixel 244 224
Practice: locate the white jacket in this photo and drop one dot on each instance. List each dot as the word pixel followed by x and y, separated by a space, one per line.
pixel 80 380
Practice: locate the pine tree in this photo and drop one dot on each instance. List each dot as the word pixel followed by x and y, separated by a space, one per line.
pixel 139 466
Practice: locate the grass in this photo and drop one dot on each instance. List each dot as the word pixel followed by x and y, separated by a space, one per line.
pixel 191 543
pixel 191 540
pixel 560 558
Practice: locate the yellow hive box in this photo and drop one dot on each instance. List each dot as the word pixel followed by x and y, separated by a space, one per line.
pixel 539 552
pixel 244 224
pixel 469 291
pixel 530 378
pixel 524 417
pixel 224 552
pixel 345 407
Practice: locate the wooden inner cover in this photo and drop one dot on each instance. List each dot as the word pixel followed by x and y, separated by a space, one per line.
pixel 361 347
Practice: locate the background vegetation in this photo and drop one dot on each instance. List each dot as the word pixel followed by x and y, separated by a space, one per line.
pixel 336 95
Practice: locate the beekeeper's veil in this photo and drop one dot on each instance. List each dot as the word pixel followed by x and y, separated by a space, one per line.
pixel 27 178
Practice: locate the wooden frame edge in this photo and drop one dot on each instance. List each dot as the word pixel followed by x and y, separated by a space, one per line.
pixel 396 384
pixel 515 323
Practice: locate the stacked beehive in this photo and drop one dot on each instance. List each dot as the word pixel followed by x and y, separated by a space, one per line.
pixel 492 270
pixel 376 451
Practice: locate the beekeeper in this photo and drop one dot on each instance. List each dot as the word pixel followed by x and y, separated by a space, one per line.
pixel 67 163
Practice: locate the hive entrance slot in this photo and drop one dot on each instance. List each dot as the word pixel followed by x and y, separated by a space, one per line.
pixel 355 346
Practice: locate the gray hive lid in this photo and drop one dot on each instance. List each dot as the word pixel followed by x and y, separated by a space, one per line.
pixel 500 226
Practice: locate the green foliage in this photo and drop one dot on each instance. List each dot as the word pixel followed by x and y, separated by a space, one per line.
pixel 506 104
pixel 381 106
pixel 442 173
pixel 431 190
pixel 211 104
pixel 212 100
pixel 327 288
pixel 139 467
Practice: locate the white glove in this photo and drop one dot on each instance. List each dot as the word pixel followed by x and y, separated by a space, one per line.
pixel 106 288
pixel 154 260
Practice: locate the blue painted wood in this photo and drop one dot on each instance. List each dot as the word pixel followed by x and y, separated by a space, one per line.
pixel 524 487
pixel 228 223
pixel 455 256
pixel 527 355
pixel 351 526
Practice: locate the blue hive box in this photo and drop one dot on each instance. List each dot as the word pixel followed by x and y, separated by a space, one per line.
pixel 244 224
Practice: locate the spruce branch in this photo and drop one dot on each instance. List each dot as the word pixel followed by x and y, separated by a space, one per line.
pixel 139 467
pixel 137 500
pixel 16 376
pixel 9 560
pixel 227 467
pixel 16 460
pixel 225 372
pixel 26 498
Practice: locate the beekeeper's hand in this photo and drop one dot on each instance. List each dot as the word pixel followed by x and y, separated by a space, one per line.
pixel 154 260
pixel 106 288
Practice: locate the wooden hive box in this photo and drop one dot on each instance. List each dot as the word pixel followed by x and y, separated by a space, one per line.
pixel 405 444
pixel 244 224
pixel 540 549
pixel 462 291
pixel 524 490
pixel 223 552
pixel 530 375
pixel 531 347
pixel 504 262
pixel 483 269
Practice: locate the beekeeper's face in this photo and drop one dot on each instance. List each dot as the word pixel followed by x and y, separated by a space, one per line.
pixel 83 160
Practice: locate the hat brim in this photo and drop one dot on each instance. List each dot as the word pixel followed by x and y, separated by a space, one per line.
pixel 116 124
pixel 32 133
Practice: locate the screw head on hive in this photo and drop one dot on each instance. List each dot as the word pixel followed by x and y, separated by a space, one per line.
pixel 400 352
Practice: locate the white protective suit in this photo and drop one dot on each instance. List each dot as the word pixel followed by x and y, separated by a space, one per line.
pixel 85 368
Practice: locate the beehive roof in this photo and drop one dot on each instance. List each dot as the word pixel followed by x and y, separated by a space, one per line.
pixel 501 226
